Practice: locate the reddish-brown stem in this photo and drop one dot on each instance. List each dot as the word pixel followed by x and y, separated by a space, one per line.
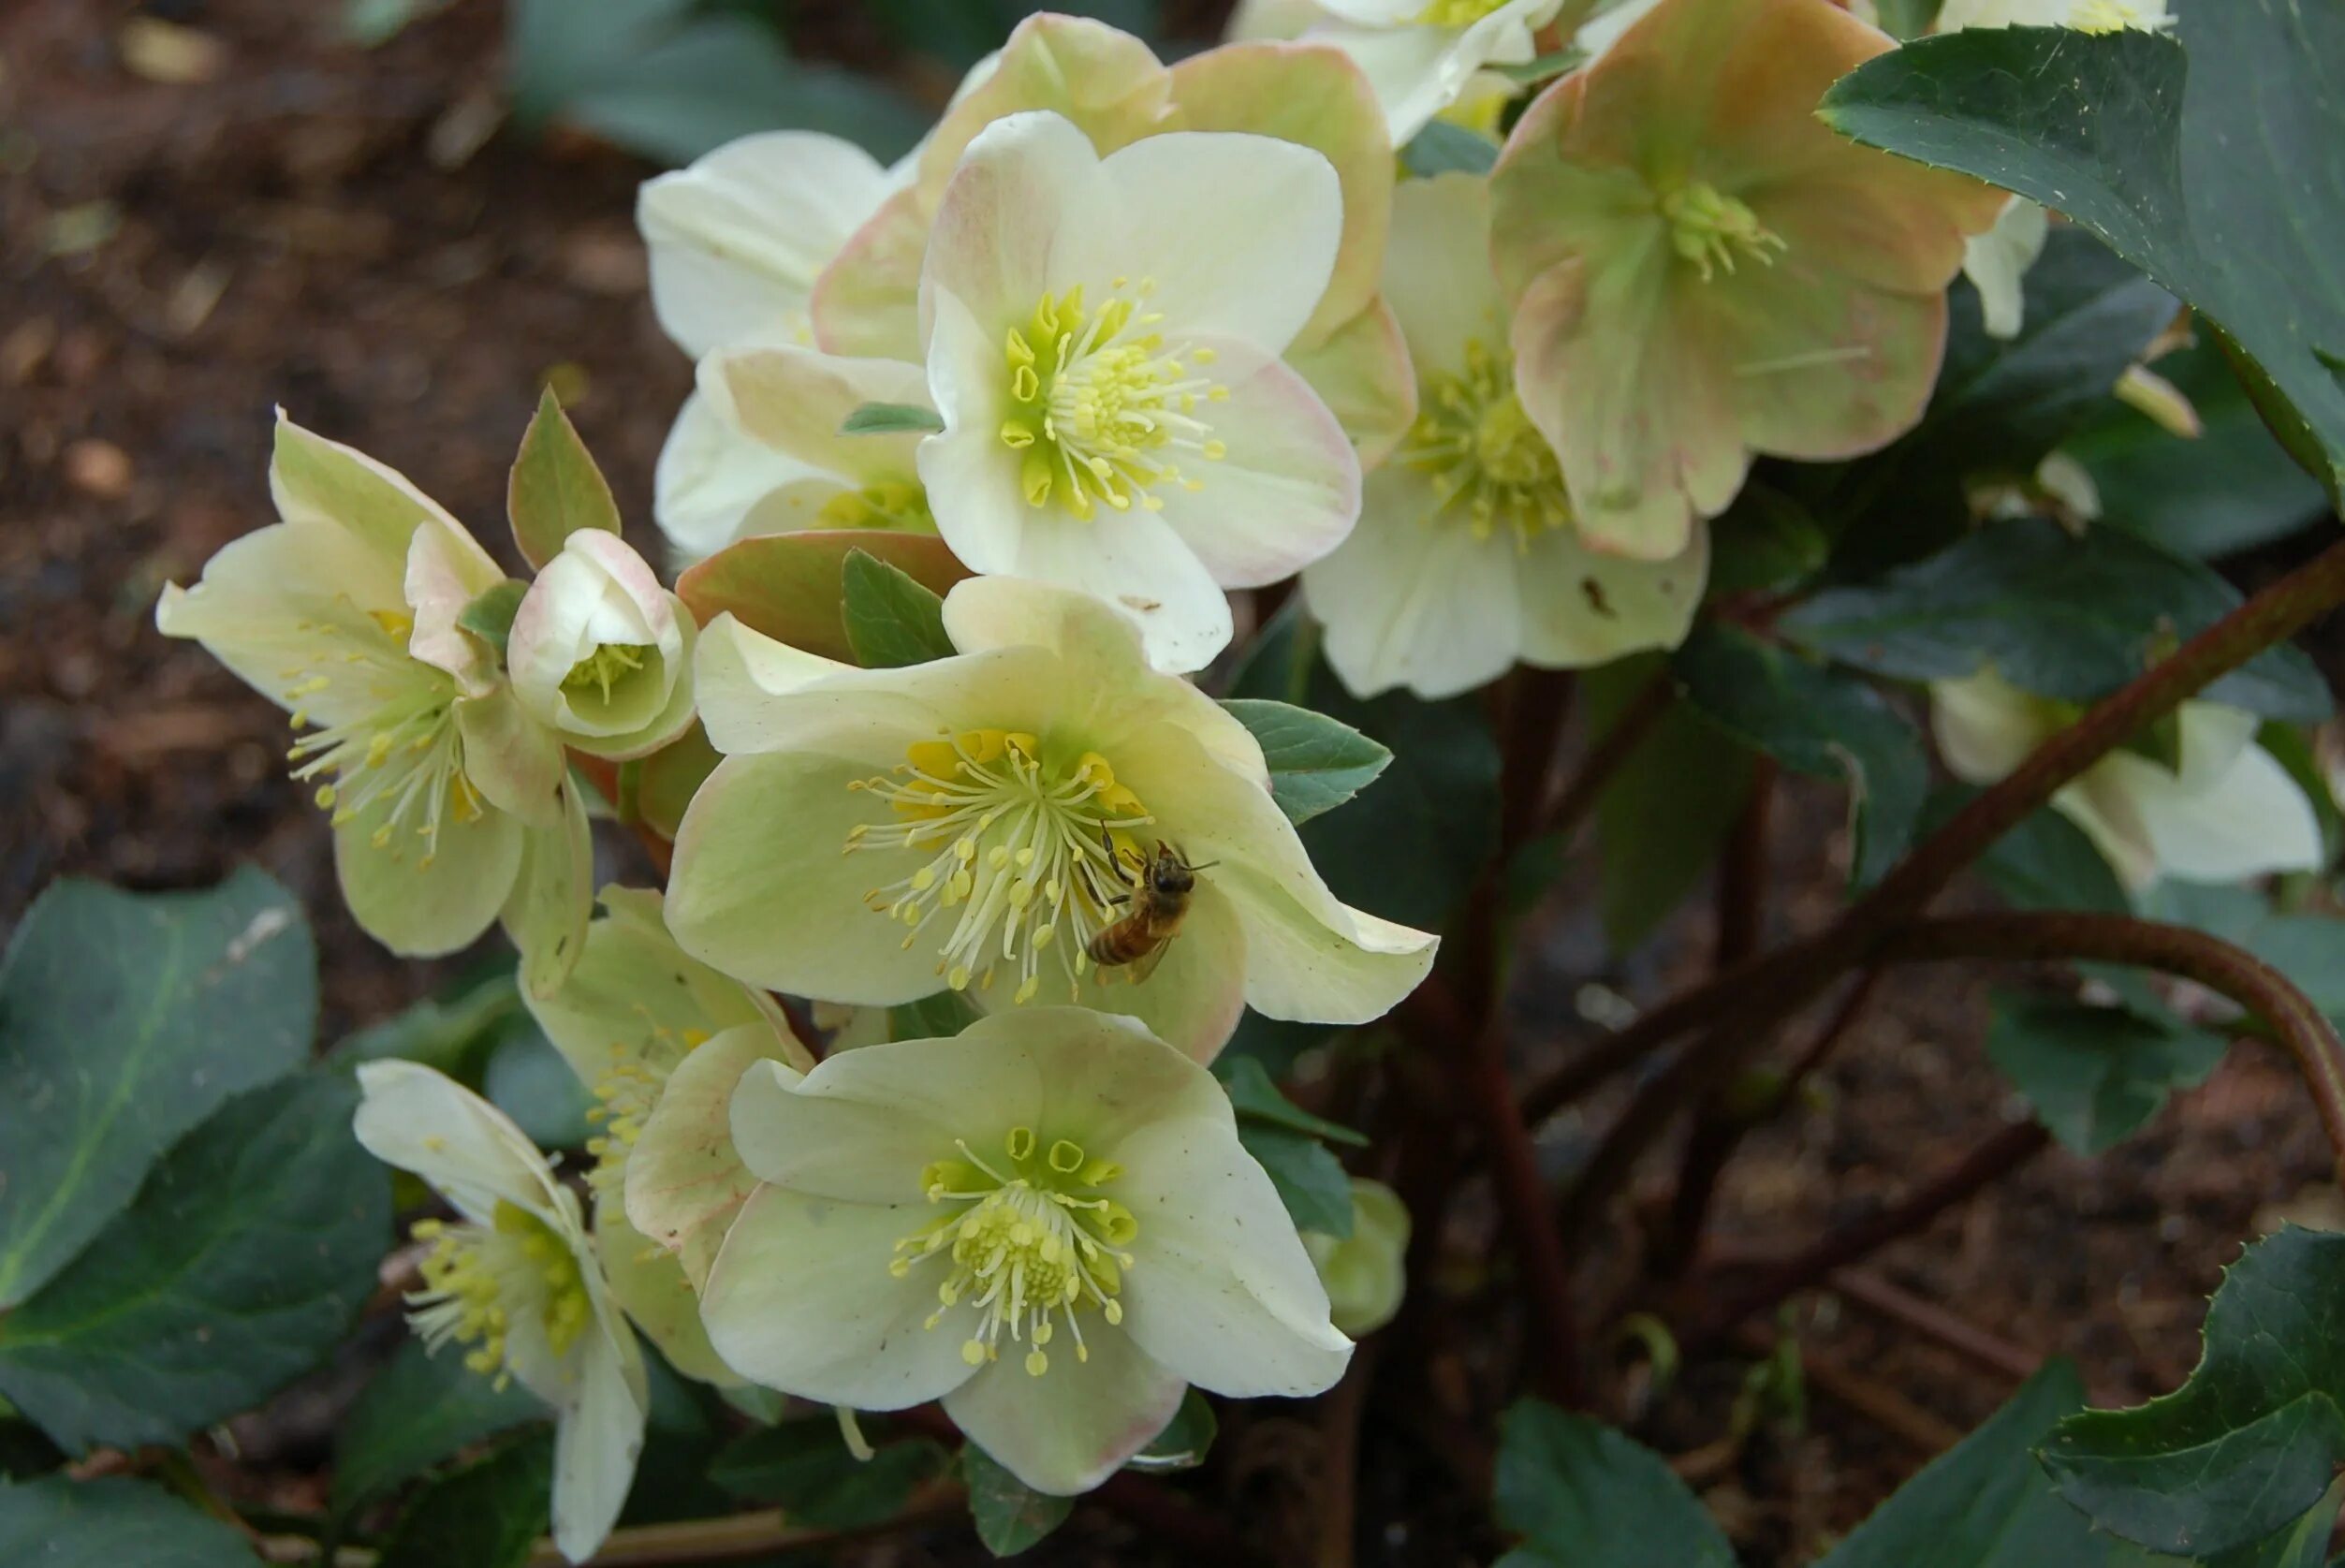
pixel 1828 1038
pixel 1961 1335
pixel 1999 1155
pixel 1339 1456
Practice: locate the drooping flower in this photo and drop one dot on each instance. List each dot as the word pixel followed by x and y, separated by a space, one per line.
pixel 600 653
pixel 1701 270
pixel 448 800
pixel 1421 55
pixel 516 1280
pixel 2228 811
pixel 1104 350
pixel 632 1014
pixel 1047 1223
pixel 877 836
pixel 1464 559
pixel 1364 1272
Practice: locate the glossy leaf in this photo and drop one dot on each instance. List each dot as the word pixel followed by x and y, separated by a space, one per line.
pixel 1584 1496
pixel 1310 1180
pixel 419 1411
pixel 240 1264
pixel 891 620
pixel 2250 1442
pixel 932 1018
pixel 1316 763
pixel 2095 1074
pixel 1254 1096
pixel 789 585
pixel 2061 616
pixel 1009 1514
pixel 1186 1439
pixel 125 1019
pixel 2047 862
pixel 2200 160
pixel 1817 721
pixel 487 1514
pixel 112 1522
pixel 803 1466
pixel 555 489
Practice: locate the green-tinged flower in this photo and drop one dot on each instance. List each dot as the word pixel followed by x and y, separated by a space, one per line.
pixel 1702 270
pixel 1364 1272
pixel 600 653
pixel 876 836
pixel 450 802
pixel 1048 1223
pixel 633 1013
pixel 1464 559
pixel 2227 812
pixel 516 1280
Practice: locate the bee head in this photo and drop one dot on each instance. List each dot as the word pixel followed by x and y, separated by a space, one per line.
pixel 1168 874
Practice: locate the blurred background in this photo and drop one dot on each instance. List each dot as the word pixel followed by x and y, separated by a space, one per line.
pixel 401 218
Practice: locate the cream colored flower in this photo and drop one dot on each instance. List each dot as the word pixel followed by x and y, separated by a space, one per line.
pixel 600 653
pixel 1421 55
pixel 877 836
pixel 1048 1223
pixel 518 1280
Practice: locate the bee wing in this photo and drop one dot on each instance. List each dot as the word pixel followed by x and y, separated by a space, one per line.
pixel 1139 969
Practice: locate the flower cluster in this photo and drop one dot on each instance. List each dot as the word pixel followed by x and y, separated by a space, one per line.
pixel 1118 338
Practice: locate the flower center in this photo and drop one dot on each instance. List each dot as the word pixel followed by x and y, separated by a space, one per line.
pixel 481 1280
pixel 888 504
pixel 1027 1250
pixel 397 746
pixel 2115 16
pixel 1102 407
pixel 1487 462
pixel 1017 845
pixel 1456 13
pixel 610 662
pixel 1713 231
pixel 624 1098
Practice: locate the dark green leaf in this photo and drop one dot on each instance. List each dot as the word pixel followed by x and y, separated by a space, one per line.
pixel 1767 541
pixel 418 1412
pixel 2229 490
pixel 1442 148
pixel 488 1515
pixel 555 489
pixel 804 1467
pixel 1583 1496
pixel 112 1522
pixel 1254 1097
pixel 237 1267
pixel 2212 185
pixel 1817 721
pixel 2094 1075
pixel 453 1030
pixel 2252 1441
pixel 2047 862
pixel 891 418
pixel 1987 1504
pixel 1316 763
pixel 1661 818
pixel 932 1018
pixel 1311 1181
pixel 490 616
pixel 1276 1043
pixel 1907 19
pixel 2061 616
pixel 1009 1514
pixel 1186 1439
pixel 127 1018
pixel 531 1082
pixel 891 620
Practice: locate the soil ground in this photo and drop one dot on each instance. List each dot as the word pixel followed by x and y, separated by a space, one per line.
pixel 177 257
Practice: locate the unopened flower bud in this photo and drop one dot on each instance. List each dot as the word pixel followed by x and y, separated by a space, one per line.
pixel 1363 1273
pixel 600 651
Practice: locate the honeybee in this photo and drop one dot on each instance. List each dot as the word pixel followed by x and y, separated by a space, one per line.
pixel 1161 887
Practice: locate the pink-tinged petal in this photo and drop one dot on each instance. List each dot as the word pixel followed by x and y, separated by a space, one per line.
pixel 868 300
pixel 802 1300
pixel 446 571
pixel 1237 233
pixel 1070 1429
pixel 1286 492
pixel 796 401
pixel 685 1181
pixel 1312 95
pixel 1361 371
pixel 1105 82
pixel 1882 229
pixel 1024 182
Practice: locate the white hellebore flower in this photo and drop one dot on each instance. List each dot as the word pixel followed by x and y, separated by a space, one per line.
pixel 516 1279
pixel 1420 55
pixel 876 836
pixel 1997 261
pixel 600 653
pixel 1048 1223
pixel 633 1012
pixel 449 801
pixel 1103 344
pixel 2231 811
pixel 1465 560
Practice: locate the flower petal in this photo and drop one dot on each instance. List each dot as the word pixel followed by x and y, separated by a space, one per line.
pixel 868 300
pixel 1192 1000
pixel 649 1283
pixel 1104 81
pixel 446 571
pixel 802 1300
pixel 737 239
pixel 1221 1292
pixel 1361 371
pixel 1581 609
pixel 598 1436
pixel 314 480
pixel 421 1121
pixel 1996 264
pixel 514 761
pixel 1070 1429
pixel 2251 820
pixel 1985 726
pixel 795 400
pixel 1437 272
pixel 685 1181
pixel 421 905
pixel 716 484
pixel 864 1137
pixel 552 900
pixel 972 478
pixel 634 993
pixel 1136 561
pixel 1024 182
